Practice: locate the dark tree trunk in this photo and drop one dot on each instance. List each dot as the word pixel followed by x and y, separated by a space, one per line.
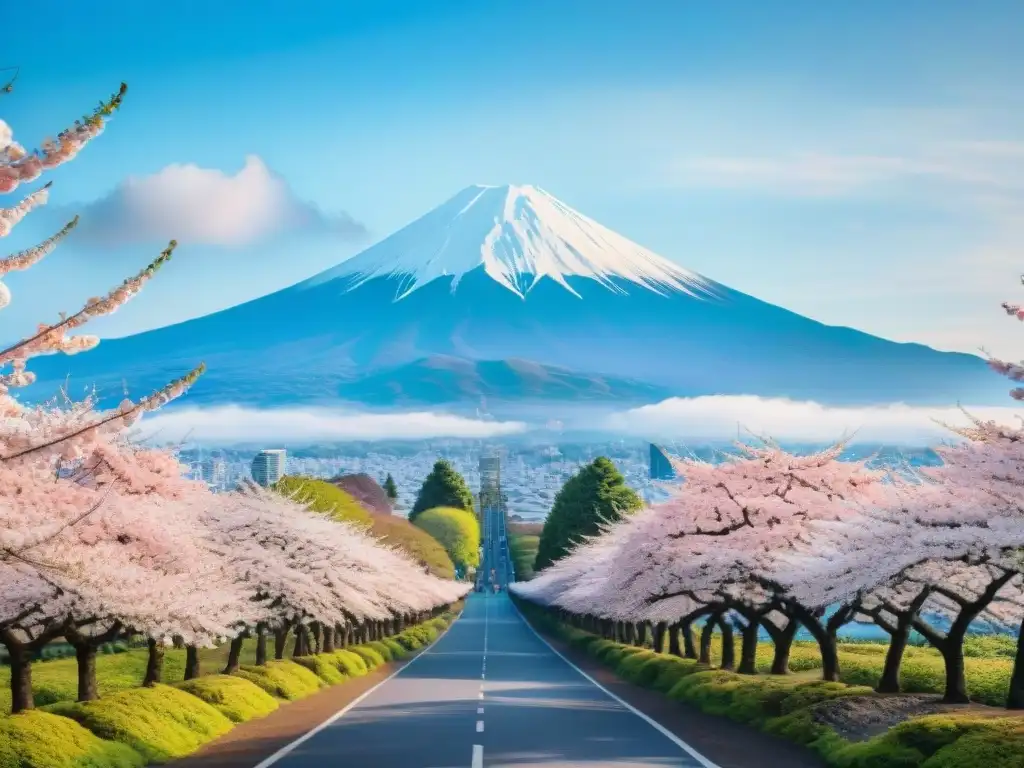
pixel 956 678
pixel 234 654
pixel 317 638
pixel 673 640
pixel 301 646
pixel 782 640
pixel 706 634
pixel 659 637
pixel 261 645
pixel 280 638
pixel 889 682
pixel 1015 700
pixel 192 665
pixel 154 663
pixel 88 688
pixel 641 633
pixel 728 645
pixel 826 643
pixel 329 633
pixel 21 677
pixel 630 633
pixel 686 632
pixel 748 650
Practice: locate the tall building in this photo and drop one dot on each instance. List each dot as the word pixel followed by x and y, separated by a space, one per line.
pixel 214 472
pixel 268 466
pixel 660 467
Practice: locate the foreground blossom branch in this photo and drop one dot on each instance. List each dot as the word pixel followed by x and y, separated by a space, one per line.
pixel 9 217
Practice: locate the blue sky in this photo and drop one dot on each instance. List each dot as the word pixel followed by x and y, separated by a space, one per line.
pixel 860 163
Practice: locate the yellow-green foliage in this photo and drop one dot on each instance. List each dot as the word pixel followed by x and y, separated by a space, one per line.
pixel 37 739
pixel 322 496
pixel 349 663
pixel 160 723
pixel 283 679
pixel 322 667
pixel 238 698
pixel 457 530
pixel 382 648
pixel 394 648
pixel 417 543
pixel 368 655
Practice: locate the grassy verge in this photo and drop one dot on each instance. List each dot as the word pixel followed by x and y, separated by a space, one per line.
pixel 130 726
pixel 523 540
pixel 805 710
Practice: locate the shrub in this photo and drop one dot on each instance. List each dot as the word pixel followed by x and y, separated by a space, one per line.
pixel 283 679
pixel 382 649
pixel 322 667
pixel 394 647
pixel 349 663
pixel 160 723
pixel 458 531
pixel 322 496
pixel 37 738
pixel 629 667
pixel 418 544
pixel 236 697
pixel 371 658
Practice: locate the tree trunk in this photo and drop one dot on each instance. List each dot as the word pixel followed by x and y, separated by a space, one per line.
pixel 782 639
pixel 889 682
pixel 748 650
pixel 705 640
pixel 280 638
pixel 317 638
pixel 630 633
pixel 154 663
pixel 329 633
pixel 1015 700
pixel 192 665
pixel 686 632
pixel 85 655
pixel 21 677
pixel 234 654
pixel 728 645
pixel 826 643
pixel 659 637
pixel 261 645
pixel 301 646
pixel 956 679
pixel 641 633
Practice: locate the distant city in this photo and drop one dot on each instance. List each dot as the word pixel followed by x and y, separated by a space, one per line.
pixel 531 474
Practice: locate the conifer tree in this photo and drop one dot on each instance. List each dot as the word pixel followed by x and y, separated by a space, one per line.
pixel 444 487
pixel 596 494
pixel 390 488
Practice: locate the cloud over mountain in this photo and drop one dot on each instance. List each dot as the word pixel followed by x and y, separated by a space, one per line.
pixel 722 417
pixel 233 425
pixel 207 206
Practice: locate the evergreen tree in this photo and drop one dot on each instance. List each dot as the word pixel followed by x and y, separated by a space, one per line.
pixel 390 488
pixel 596 494
pixel 444 487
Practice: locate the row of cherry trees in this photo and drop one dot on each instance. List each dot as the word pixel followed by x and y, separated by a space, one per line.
pixel 767 541
pixel 101 538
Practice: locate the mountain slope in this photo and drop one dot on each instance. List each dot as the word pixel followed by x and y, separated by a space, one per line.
pixel 519 296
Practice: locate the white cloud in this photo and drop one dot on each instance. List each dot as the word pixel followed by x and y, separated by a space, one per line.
pixel 204 205
pixel 722 417
pixel 234 424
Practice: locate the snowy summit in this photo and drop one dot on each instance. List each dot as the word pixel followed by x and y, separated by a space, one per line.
pixel 519 235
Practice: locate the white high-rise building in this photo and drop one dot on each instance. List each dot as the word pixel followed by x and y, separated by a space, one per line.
pixel 268 466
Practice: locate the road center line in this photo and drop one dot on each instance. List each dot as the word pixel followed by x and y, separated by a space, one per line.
pixel 478 756
pixel 479 710
pixel 479 726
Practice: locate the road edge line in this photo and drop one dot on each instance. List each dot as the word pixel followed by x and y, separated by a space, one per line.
pixel 290 746
pixel 705 762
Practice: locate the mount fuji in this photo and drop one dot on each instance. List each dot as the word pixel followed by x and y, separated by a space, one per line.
pixel 508 294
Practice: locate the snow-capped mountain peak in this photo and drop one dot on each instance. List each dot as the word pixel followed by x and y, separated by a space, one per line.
pixel 519 235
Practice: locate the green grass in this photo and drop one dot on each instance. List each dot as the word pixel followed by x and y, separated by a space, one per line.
pixel 785 705
pixel 43 740
pixel 523 548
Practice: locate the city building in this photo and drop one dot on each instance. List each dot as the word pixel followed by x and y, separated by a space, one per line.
pixel 660 467
pixel 268 466
pixel 214 472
